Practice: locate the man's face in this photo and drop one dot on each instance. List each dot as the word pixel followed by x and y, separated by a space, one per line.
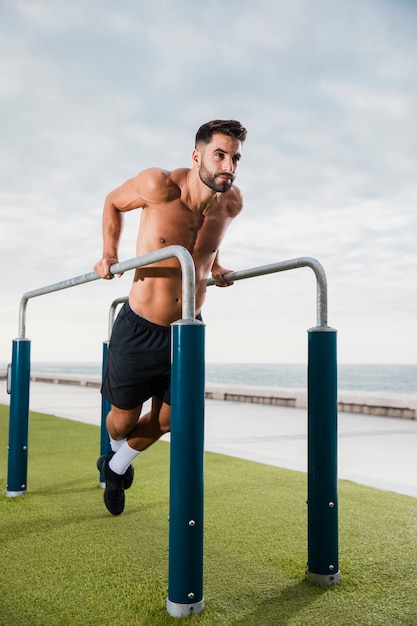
pixel 218 162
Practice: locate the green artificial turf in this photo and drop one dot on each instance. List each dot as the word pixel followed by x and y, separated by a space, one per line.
pixel 64 560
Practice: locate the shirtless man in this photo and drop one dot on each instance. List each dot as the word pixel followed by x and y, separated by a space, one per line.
pixel 187 207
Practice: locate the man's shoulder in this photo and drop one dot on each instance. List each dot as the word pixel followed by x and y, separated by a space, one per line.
pixel 158 174
pixel 162 185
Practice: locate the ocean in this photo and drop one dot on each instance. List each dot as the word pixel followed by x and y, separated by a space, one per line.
pixel 377 378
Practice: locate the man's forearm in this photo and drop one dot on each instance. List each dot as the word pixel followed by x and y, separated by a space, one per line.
pixel 112 226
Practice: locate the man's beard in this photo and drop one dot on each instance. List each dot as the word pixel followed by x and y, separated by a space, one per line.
pixel 219 186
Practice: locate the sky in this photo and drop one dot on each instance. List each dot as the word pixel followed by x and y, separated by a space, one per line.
pixel 93 92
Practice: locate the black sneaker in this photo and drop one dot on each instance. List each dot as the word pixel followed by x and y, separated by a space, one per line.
pixel 114 492
pixel 128 475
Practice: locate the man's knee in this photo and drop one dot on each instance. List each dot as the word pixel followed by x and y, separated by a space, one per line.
pixel 120 421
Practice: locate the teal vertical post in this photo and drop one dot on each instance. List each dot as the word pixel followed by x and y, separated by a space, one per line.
pixel 186 512
pixel 105 408
pixel 18 419
pixel 323 565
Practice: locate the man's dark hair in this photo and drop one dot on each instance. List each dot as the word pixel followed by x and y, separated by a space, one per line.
pixel 232 128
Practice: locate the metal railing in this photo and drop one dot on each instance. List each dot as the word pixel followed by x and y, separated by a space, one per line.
pixel 181 253
pixel 263 270
pixel 282 266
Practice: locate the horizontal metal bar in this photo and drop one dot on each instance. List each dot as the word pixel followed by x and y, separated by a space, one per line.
pixel 181 253
pixel 282 266
pixel 252 272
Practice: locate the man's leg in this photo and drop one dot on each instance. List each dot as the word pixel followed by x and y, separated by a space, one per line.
pixel 138 434
pixel 151 426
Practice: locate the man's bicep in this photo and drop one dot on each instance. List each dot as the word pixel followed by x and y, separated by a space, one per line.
pixel 128 196
pixel 151 186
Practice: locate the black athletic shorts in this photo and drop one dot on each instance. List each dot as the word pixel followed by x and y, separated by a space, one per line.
pixel 138 362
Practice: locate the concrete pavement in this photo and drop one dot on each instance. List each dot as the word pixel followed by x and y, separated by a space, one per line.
pixel 372 450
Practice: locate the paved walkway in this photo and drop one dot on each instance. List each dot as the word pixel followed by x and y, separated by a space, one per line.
pixel 375 451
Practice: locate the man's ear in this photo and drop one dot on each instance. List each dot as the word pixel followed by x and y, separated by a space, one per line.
pixel 196 157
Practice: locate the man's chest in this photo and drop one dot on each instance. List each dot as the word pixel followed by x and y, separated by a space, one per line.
pixel 180 226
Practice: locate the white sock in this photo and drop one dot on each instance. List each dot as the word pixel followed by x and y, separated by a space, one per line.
pixel 116 444
pixel 123 458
